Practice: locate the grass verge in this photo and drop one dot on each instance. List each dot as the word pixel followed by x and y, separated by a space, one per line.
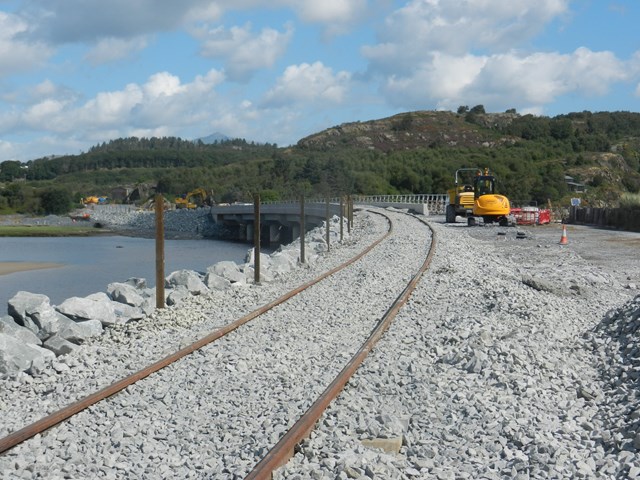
pixel 50 231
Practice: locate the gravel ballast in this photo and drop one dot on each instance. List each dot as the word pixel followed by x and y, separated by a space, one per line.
pixel 514 358
pixel 220 408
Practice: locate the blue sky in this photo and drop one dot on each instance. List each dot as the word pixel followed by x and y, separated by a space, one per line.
pixel 75 73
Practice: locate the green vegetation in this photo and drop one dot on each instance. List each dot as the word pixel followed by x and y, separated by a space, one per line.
pixel 415 152
pixel 630 201
pixel 49 231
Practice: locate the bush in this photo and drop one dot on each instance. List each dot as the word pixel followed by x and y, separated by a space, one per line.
pixel 630 201
pixel 56 201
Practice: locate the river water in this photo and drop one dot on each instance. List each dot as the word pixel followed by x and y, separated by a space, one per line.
pixel 89 264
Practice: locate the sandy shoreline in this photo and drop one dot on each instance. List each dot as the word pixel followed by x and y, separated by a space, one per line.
pixel 13 267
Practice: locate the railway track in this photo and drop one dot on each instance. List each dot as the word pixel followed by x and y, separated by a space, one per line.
pixel 216 409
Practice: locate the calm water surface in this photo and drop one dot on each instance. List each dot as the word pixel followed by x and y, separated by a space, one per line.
pixel 91 263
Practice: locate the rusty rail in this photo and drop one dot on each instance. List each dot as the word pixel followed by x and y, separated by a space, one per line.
pixel 284 449
pixel 55 418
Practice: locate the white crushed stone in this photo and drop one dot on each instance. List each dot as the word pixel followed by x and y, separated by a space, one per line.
pixel 500 366
pixel 484 376
pixel 249 388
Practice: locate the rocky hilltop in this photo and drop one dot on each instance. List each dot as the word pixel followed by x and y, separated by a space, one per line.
pixel 407 131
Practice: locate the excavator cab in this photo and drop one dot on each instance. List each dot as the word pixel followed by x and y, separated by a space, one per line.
pixel 485 185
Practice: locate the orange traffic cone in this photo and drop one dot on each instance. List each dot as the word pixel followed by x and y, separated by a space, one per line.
pixel 563 238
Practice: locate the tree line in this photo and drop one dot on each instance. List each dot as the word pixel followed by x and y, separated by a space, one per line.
pixel 529 168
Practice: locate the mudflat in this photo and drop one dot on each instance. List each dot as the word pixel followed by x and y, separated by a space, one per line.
pixel 13 267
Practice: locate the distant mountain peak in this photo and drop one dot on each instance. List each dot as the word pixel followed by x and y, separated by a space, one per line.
pixel 213 138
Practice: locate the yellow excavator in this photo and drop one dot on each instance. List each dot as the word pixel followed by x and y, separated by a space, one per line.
pixel 476 199
pixel 194 199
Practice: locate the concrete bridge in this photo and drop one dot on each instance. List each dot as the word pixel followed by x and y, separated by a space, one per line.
pixel 280 221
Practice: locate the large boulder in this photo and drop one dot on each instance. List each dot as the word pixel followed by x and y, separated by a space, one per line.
pixel 126 293
pixel 216 282
pixel 126 313
pixel 282 263
pixel 94 307
pixel 265 260
pixel 150 303
pixel 35 312
pixel 48 321
pixel 177 295
pixel 229 270
pixel 59 346
pixel 250 275
pixel 188 279
pixel 16 356
pixel 123 312
pixel 22 303
pixel 78 332
pixel 8 326
pixel 139 283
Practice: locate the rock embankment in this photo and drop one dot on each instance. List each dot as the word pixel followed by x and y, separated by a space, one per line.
pixel 180 222
pixel 35 332
pixel 190 223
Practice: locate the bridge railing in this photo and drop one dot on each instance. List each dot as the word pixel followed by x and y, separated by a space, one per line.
pixel 413 198
pixel 435 202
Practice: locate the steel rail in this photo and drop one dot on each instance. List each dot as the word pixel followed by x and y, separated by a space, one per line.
pixel 55 418
pixel 284 449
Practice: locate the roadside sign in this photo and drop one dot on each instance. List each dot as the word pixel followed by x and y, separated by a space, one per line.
pixel 575 202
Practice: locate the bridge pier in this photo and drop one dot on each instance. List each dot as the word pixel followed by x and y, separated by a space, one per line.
pixel 248 232
pixel 295 230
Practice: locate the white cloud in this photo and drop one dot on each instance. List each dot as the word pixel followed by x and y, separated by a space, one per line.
pixel 163 84
pixel 445 54
pixel 243 51
pixel 309 83
pixel 111 49
pixel 17 54
pixel 33 94
pixel 162 101
pixel 162 104
pixel 414 32
pixel 45 89
pixel 443 79
pixel 41 112
pixel 108 108
pixel 505 80
pixel 336 15
pixel 8 150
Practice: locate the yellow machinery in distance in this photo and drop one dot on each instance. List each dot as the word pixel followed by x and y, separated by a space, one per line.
pixel 93 200
pixel 194 199
pixel 476 198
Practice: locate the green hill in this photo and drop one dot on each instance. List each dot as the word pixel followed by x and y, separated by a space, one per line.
pixel 414 152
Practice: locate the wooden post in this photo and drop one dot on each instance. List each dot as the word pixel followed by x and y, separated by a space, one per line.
pixel 341 218
pixel 256 238
pixel 303 229
pixel 349 213
pixel 159 210
pixel 327 224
